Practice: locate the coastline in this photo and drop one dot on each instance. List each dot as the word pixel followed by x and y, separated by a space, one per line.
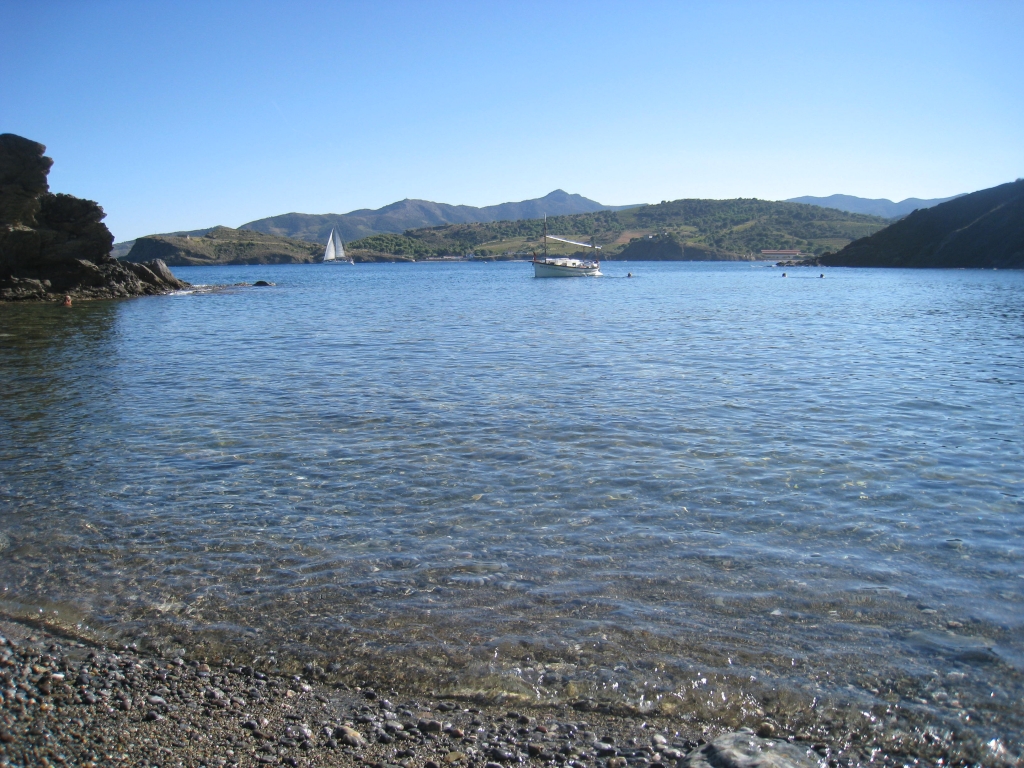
pixel 71 701
pixel 87 704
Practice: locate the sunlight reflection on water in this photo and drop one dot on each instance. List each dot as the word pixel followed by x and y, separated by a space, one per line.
pixel 816 482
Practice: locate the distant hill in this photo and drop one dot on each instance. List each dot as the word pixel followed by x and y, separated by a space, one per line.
pixel 223 245
pixel 415 214
pixel 678 230
pixel 398 217
pixel 983 229
pixel 120 250
pixel 887 209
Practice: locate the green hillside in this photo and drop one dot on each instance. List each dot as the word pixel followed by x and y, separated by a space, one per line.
pixel 703 229
pixel 983 230
pixel 413 214
pixel 224 245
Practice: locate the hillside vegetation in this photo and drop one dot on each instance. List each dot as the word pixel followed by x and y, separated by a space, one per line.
pixel 699 229
pixel 224 245
pixel 415 214
pixel 984 229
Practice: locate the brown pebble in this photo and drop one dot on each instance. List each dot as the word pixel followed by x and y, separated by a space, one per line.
pixel 766 730
pixel 349 736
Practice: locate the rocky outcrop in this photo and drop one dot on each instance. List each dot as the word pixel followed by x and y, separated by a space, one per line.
pixel 52 245
pixel 984 230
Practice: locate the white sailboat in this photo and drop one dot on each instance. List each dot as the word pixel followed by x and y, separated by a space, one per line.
pixel 335 251
pixel 565 267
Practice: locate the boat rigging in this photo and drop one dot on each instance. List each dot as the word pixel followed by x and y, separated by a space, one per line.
pixel 566 267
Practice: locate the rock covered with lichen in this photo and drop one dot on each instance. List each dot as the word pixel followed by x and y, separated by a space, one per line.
pixel 57 244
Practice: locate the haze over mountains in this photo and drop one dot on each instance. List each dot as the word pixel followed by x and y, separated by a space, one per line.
pixel 881 207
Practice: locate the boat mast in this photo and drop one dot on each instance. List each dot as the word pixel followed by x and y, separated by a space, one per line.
pixel 545 237
pixel 593 248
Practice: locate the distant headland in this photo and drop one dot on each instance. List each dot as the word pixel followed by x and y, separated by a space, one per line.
pixel 982 230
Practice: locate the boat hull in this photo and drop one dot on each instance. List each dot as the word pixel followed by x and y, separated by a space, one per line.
pixel 540 269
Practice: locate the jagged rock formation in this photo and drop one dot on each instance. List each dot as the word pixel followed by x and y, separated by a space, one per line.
pixel 224 245
pixel 52 245
pixel 984 229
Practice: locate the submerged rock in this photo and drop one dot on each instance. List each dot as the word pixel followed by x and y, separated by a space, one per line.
pixel 52 245
pixel 745 750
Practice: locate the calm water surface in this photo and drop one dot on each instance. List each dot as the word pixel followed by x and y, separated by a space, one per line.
pixel 707 487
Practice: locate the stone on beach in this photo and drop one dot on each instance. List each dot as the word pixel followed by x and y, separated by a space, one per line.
pixel 745 750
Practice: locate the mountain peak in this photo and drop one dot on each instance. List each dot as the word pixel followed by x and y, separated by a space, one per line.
pixel 873 207
pixel 412 213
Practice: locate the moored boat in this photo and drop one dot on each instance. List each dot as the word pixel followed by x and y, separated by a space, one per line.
pixel 563 266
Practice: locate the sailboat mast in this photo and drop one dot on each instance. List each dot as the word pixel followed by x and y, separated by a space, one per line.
pixel 545 237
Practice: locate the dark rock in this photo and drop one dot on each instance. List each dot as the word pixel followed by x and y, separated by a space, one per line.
pixel 23 171
pixel 53 245
pixel 430 726
pixel 265 284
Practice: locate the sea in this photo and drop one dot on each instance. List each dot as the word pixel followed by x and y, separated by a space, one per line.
pixel 709 490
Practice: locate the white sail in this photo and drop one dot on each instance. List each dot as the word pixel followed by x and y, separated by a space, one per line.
pixel 331 252
pixel 339 248
pixel 572 242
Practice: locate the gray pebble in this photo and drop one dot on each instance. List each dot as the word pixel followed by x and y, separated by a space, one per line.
pixel 744 750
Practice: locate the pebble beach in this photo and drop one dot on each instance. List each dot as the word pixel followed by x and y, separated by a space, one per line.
pixel 74 703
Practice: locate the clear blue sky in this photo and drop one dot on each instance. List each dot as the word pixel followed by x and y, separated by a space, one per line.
pixel 183 115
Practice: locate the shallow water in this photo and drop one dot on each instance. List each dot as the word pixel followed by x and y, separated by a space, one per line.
pixel 464 479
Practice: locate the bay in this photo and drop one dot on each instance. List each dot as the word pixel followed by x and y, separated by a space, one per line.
pixel 692 489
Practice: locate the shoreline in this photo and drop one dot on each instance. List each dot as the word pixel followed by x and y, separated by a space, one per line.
pixel 84 703
pixel 71 701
